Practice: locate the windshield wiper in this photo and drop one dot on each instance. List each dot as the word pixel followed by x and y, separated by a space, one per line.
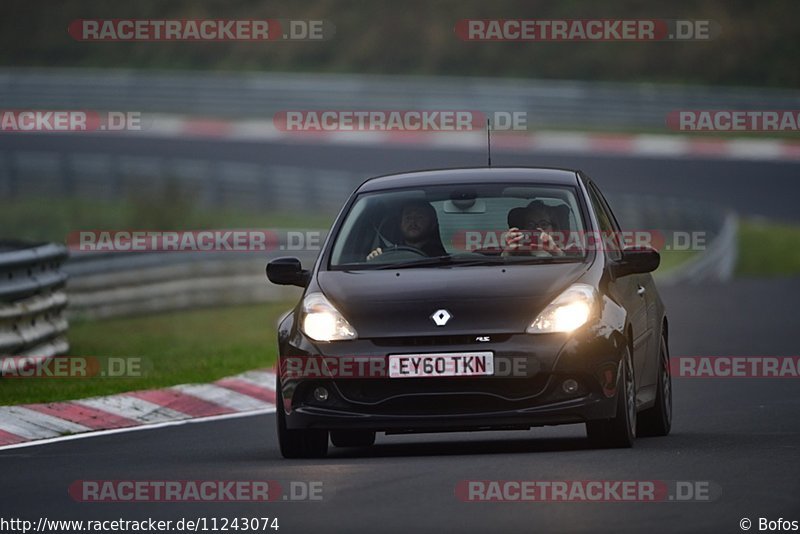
pixel 465 261
pixel 520 260
pixel 447 259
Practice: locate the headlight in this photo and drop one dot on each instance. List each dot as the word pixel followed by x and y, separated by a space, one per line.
pixel 322 322
pixel 570 310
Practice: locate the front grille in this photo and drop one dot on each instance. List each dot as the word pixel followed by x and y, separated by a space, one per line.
pixel 442 395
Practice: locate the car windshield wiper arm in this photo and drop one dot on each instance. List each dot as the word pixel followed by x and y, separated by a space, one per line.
pixel 447 259
pixel 545 259
pixel 468 261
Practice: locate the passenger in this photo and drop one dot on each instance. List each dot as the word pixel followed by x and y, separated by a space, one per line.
pixel 419 227
pixel 538 218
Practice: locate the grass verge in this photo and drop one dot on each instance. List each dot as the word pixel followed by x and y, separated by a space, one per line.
pixel 43 219
pixel 768 249
pixel 175 348
pixel 672 259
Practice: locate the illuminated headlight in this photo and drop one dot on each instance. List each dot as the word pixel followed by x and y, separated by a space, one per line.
pixel 323 322
pixel 570 310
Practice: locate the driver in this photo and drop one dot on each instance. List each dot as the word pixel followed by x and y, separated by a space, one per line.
pixel 419 227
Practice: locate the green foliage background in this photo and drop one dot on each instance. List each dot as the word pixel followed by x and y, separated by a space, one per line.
pixel 758 46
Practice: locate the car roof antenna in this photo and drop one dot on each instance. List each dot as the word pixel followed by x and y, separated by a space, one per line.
pixel 489 139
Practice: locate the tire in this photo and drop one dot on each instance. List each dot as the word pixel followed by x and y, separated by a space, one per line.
pixel 657 421
pixel 352 438
pixel 298 443
pixel 620 431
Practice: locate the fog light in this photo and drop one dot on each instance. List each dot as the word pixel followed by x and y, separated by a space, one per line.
pixel 569 386
pixel 321 394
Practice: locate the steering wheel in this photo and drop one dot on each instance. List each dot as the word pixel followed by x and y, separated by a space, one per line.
pixel 399 250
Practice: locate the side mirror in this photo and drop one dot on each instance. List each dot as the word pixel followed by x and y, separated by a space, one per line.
pixel 287 272
pixel 636 260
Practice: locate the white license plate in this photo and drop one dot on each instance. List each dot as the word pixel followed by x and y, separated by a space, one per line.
pixel 441 364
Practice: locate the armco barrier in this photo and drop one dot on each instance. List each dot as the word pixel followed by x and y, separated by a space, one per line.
pixel 134 283
pixel 32 301
pixel 549 103
pixel 185 284
pixel 716 264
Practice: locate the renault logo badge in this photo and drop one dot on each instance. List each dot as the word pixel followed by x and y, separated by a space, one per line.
pixel 440 317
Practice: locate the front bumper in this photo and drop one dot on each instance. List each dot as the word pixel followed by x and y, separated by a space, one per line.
pixel 529 392
pixel 566 412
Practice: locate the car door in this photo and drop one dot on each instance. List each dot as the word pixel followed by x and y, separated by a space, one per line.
pixel 628 291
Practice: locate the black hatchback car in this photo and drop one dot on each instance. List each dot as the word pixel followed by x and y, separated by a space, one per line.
pixel 472 299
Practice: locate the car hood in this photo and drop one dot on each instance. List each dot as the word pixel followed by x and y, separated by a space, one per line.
pixel 480 300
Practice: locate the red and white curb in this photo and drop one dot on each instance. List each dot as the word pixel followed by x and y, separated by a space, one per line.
pixel 250 392
pixel 643 145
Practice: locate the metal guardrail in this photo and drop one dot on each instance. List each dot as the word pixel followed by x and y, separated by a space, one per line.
pixel 716 264
pixel 204 182
pixel 717 226
pixel 549 103
pixel 32 300
pixel 133 283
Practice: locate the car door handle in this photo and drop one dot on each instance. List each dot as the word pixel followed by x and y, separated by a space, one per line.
pixel 640 291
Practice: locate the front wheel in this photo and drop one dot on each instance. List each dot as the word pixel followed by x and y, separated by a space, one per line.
pixel 657 421
pixel 298 443
pixel 620 431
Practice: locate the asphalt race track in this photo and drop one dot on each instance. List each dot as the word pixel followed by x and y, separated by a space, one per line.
pixel 758 188
pixel 740 434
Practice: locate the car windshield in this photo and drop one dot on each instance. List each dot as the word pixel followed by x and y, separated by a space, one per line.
pixel 463 225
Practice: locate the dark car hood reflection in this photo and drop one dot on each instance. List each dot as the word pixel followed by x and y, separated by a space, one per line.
pixel 493 299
